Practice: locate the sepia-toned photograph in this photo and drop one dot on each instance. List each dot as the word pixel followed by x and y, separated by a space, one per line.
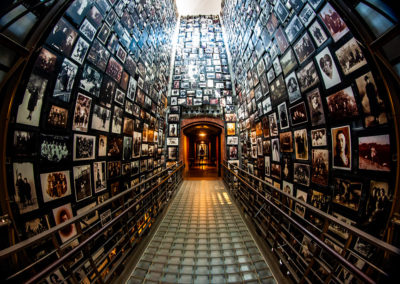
pixel 173 130
pixel 298 114
pixel 304 48
pixel 172 153
pixel 320 166
pixel 342 104
pixel 232 140
pixel 278 91
pixel 102 150
pixel 82 182
pixel 113 169
pixel 101 118
pixel 57 117
pixel 333 22
pixel 81 114
pixel 301 144
pixel 99 175
pixel 54 149
pixel 317 33
pixel 231 129
pixel 65 81
pixel 307 77
pixel 317 115
pixel 30 108
pixel 62 214
pixel 84 146
pixel 347 193
pixel 374 153
pixel 273 124
pixel 371 102
pixel 288 61
pixel 318 137
pixel 301 174
pixel 327 67
pixel 292 88
pixel 24 193
pixel 46 61
pixel 339 230
pixel 114 147
pixel 276 170
pixel 127 148
pixel 55 185
pixel 283 116
pixel 137 141
pixel 36 226
pixel 298 208
pixel 116 122
pixel 286 142
pixel 341 148
pixel 350 57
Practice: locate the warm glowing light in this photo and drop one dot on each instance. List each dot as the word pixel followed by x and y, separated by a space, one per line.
pixel 202 134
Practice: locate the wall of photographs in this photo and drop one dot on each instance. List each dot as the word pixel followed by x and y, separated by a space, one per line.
pixel 90 118
pixel 201 79
pixel 314 117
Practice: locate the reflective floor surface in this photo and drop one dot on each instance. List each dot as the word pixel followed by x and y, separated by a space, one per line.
pixel 202 239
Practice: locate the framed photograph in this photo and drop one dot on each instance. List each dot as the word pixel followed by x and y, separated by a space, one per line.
pixel 102 150
pixel 301 144
pixel 342 104
pixel 172 141
pixel 277 68
pixel 99 176
pixel 339 230
pixel 30 109
pixel 62 214
pixel 315 107
pixel 276 157
pixel 173 129
pixel 82 182
pixel 54 149
pixel 350 57
pixel 36 226
pixel 286 141
pixel 293 29
pixel 114 148
pixel 317 33
pixel 320 166
pixel 57 117
pixel 137 141
pixel 55 185
pixel 298 114
pixel 301 174
pixel 172 153
pixel 347 193
pixel 24 144
pixel 121 53
pixel 84 146
pixel 114 69
pixel 90 80
pixel 116 124
pixel 114 169
pixel 268 166
pixel 307 77
pixel 119 97
pixel 304 48
pixel 280 11
pixel 231 128
pixel 24 193
pixel 333 22
pixel 374 153
pixel 293 87
pixel 233 152
pixel 283 116
pixel 95 16
pixel 105 217
pixel 127 148
pixel 232 140
pixel 296 5
pixel 45 62
pixel 81 114
pixel 276 170
pixel 318 137
pixel 327 67
pixel 88 30
pixel 300 209
pixel 273 124
pixel 63 37
pixel 371 103
pixel 267 105
pixel 341 148
pixel 307 15
pixel 278 91
pixel 288 61
pixel 65 81
pixel 281 40
pixel 101 118
pixel 107 90
pixel 287 167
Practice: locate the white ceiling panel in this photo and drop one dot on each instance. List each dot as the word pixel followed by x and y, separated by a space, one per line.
pixel 198 7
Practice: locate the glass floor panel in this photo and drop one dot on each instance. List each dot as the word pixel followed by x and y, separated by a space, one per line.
pixel 202 239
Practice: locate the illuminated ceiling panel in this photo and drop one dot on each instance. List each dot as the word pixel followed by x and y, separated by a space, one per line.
pixel 198 7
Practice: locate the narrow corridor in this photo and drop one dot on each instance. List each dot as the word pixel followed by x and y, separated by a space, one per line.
pixel 202 239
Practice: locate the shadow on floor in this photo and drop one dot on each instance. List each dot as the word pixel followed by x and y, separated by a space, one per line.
pixel 201 172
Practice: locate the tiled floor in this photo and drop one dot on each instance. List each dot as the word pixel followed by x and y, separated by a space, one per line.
pixel 202 239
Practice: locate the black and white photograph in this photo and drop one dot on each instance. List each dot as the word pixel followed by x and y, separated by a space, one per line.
pixel 341 148
pixel 81 114
pixel 364 248
pixel 293 29
pixel 278 91
pixel 307 77
pixel 98 55
pixel 281 40
pixel 276 156
pixel 318 137
pixel 298 208
pixel 24 193
pixel 307 15
pixel 339 230
pixel 107 90
pixel 46 61
pixel 119 96
pixel 121 53
pixel 298 114
pixel 173 130
pixel 172 141
pixel 137 141
pixel 88 30
pixel 303 48
pixel 293 87
pixel 320 166
pixel 99 175
pixel 116 124
pixel 114 69
pixel 232 140
pixel 24 143
pixel 101 118
pixel 57 117
pixel 62 214
pixel 113 169
pixel 342 104
pixel 317 115
pixel 80 50
pixel 268 166
pixel 283 116
pixel 173 117
pixel 95 16
pixel 54 149
pixel 350 56
pixel 172 153
pixel 30 108
pixel 267 105
pixel 130 94
pixel 276 170
pixel 65 81
pixel 84 146
pixel 333 22
pixel 102 148
pixel 273 124
pixel 296 5
pixel 317 33
pixel 90 80
pixel 78 10
pixel 347 193
pixel 105 217
pixel 372 104
pixel 127 148
pixel 82 182
pixel 104 33
pixel 63 37
pixel 36 226
pixel 379 201
pixel 374 153
pixel 55 185
pixel 280 11
pixel 327 68
pixel 270 75
pixel 301 144
pixel 277 68
pixel 301 174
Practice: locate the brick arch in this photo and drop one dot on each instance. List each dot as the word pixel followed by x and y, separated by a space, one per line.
pixel 189 122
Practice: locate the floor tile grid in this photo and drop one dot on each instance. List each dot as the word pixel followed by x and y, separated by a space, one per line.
pixel 213 246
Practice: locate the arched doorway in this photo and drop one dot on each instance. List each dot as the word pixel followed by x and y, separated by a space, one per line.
pixel 202 147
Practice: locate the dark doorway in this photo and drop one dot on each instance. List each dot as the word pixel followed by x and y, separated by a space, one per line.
pixel 202 151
